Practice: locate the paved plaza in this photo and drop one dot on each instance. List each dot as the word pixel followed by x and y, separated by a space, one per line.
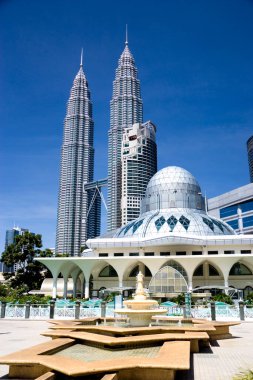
pixel 221 362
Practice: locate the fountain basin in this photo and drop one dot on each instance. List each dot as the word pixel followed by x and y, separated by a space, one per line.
pixel 140 311
pixel 137 304
pixel 140 317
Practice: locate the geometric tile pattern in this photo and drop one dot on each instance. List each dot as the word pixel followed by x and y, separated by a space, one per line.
pixel 159 222
pixel 172 221
pixel 184 221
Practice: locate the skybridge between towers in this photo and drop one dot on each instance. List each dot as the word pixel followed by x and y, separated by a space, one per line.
pixel 94 189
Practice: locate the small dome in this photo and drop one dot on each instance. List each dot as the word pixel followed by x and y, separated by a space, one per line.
pixel 173 187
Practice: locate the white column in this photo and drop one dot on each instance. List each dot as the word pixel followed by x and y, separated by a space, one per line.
pixel 120 282
pixel 82 285
pixel 65 287
pixel 87 289
pixel 226 284
pixel 190 285
pixel 54 292
pixel 74 286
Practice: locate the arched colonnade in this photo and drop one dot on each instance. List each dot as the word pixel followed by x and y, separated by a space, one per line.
pixel 81 270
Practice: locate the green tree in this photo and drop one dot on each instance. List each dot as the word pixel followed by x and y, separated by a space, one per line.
pixel 222 297
pixel 22 252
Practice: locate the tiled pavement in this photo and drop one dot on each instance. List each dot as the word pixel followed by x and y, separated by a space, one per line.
pixel 224 359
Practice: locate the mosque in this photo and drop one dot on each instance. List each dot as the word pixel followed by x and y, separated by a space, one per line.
pixel 176 244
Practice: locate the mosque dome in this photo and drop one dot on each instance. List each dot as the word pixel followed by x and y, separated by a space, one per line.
pixel 173 187
pixel 173 204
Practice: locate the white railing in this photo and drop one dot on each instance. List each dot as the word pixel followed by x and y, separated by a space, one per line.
pixel 248 312
pixel 39 311
pixel 201 312
pixel 64 312
pixel 90 312
pixel 15 311
pixel 68 312
pixel 175 311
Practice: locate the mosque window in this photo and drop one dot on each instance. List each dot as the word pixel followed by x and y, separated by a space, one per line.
pixel 159 223
pixel 212 271
pixel 212 252
pixel 149 254
pixel 239 269
pixel 117 254
pixel 178 267
pixel 184 221
pixel 108 271
pixel 168 280
pixel 196 253
pixel 136 270
pixel 103 254
pixel 245 251
pixel 199 271
pixel 172 221
pixel 164 253
pixel 229 252
pixel 127 228
pixel 218 224
pixel 137 225
pixel 209 223
pixel 134 254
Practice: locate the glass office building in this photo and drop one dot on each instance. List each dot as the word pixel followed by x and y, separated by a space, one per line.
pixel 10 239
pixel 139 164
pixel 235 208
pixel 125 110
pixel 75 222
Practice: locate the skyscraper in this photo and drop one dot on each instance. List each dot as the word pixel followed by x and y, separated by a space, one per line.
pixel 10 239
pixel 139 164
pixel 250 157
pixel 125 110
pixel 75 219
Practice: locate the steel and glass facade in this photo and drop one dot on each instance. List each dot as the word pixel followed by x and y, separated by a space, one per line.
pixel 125 110
pixel 75 222
pixel 235 208
pixel 139 164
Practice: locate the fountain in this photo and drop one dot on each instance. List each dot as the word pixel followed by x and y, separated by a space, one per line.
pixel 140 310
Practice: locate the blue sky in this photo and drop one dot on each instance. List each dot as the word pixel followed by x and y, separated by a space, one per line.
pixel 195 63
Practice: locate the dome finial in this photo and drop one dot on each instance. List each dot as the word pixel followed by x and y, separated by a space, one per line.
pixel 81 61
pixel 126 36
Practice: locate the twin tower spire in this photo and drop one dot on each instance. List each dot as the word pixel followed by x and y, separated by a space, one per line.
pixel 78 215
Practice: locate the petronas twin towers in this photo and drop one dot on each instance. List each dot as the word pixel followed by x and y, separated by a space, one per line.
pixel 78 216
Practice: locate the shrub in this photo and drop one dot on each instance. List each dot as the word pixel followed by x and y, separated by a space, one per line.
pixel 248 375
